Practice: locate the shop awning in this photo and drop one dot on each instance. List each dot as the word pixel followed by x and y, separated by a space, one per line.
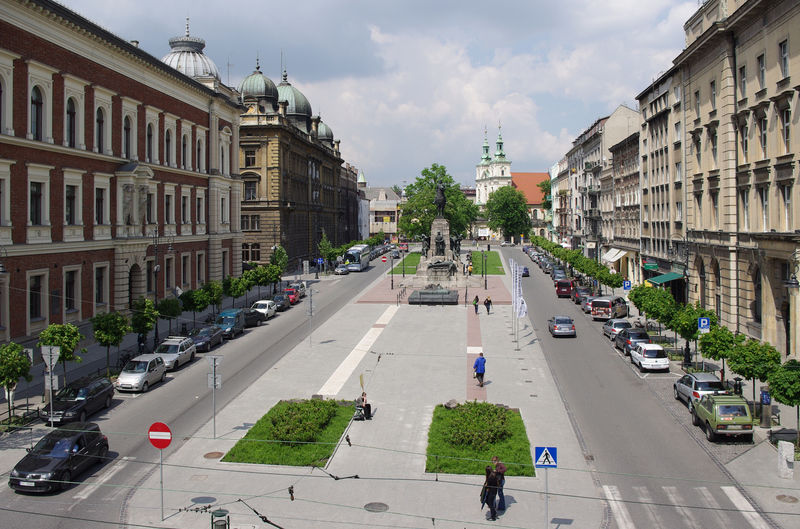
pixel 665 278
pixel 613 255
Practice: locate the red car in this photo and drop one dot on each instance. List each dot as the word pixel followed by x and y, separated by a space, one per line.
pixel 292 295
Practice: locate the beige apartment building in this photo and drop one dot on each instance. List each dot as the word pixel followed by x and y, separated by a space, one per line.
pixel 622 230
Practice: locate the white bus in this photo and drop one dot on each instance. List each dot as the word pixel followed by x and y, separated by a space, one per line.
pixel 357 257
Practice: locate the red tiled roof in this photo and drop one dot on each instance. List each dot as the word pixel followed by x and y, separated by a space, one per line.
pixel 527 183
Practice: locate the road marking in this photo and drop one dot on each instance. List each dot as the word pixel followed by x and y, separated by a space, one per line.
pixel 745 508
pixel 722 516
pixel 89 488
pixel 620 511
pixel 647 502
pixel 337 380
pixel 676 500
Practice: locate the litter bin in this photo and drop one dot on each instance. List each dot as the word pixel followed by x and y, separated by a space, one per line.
pixel 184 329
pixel 766 407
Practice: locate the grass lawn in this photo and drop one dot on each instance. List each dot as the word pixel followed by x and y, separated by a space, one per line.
pixel 464 457
pixel 260 444
pixel 493 264
pixel 410 260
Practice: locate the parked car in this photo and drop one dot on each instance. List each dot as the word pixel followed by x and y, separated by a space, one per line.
pixel 300 287
pixel 563 288
pixel 626 339
pixel 727 415
pixel 586 304
pixel 525 272
pixel 59 457
pixel 253 317
pixel 613 326
pixel 578 293
pixel 232 322
pixel 691 387
pixel 266 306
pixel 292 295
pixel 649 356
pixel 395 254
pixel 282 301
pixel 141 372
pixel 341 270
pixel 606 307
pixel 561 326
pixel 78 400
pixel 176 351
pixel 206 337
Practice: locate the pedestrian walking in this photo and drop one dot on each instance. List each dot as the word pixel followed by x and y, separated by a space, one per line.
pixel 470 269
pixel 489 492
pixel 475 303
pixel 479 366
pixel 488 304
pixel 500 469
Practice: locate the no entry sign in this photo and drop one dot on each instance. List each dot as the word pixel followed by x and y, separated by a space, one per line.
pixel 383 258
pixel 160 435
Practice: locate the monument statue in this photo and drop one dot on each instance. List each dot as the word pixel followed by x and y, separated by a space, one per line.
pixel 455 244
pixel 439 244
pixel 440 200
pixel 426 244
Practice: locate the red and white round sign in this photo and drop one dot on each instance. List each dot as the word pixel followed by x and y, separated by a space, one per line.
pixel 383 258
pixel 160 435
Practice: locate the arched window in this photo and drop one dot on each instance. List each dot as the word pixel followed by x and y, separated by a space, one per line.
pixel 99 133
pixel 184 163
pixel 702 275
pixel 167 147
pixel 149 145
pixel 37 104
pixel 126 138
pixel 757 296
pixel 222 160
pixel 72 123
pixel 245 252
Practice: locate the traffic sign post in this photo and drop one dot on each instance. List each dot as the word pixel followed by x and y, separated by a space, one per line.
pixel 626 285
pixel 160 437
pixel 215 383
pixel 545 457
pixel 703 325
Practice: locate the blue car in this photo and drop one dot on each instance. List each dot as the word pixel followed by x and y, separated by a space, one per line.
pixel 525 272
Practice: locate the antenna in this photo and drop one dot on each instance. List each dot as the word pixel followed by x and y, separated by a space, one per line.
pixel 228 63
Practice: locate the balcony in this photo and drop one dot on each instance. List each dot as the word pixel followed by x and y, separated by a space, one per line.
pixel 592 213
pixel 593 190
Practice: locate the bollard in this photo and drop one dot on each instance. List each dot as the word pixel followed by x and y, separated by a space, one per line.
pixel 785 460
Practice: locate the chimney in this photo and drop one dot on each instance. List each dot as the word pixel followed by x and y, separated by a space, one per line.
pixel 336 147
pixel 315 126
pixel 135 43
pixel 282 106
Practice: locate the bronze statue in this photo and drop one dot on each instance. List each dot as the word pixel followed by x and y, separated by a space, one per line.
pixel 441 199
pixel 439 244
pixel 426 244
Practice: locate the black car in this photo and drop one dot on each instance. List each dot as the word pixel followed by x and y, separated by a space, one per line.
pixel 282 301
pixel 205 338
pixel 253 317
pixel 59 457
pixel 79 399
pixel 525 272
pixel 626 339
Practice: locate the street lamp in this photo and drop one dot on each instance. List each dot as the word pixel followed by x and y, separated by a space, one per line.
pixel 157 241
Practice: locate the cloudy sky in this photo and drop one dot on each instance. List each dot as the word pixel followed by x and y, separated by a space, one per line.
pixel 404 84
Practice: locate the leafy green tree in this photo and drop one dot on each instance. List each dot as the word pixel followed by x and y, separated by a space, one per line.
pixel 280 258
pixel 143 316
pixel 326 249
pixel 419 210
pixel 195 301
pixel 260 277
pixel 719 343
pixel 214 291
pixel 274 275
pixel 169 309
pixel 784 386
pixel 109 329
pixel 507 211
pixel 234 287
pixel 396 188
pixel 544 185
pixel 684 321
pixel 754 360
pixel 67 337
pixel 14 365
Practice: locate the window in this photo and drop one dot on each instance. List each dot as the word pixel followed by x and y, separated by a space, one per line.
pixel 149 208
pixel 223 210
pixel 783 58
pixel 763 194
pixel 99 130
pixel 250 190
pixel 678 172
pixel 713 140
pixel 70 290
pixel 742 81
pixel 255 252
pixel 149 143
pixel 201 259
pixel 37 114
pixel 743 142
pixel 100 284
pixel 184 163
pixel 185 269
pixel 126 138
pixel 245 252
pixel 168 272
pixel 697 103
pixel 245 222
pixel 697 153
pixel 201 218
pixel 201 165
pixel 677 131
pixel 786 121
pixel 679 211
pixel 757 296
pixel 35 301
pixel 762 132
pixel 185 210
pixel 676 93
pixel 249 158
pixel 168 217
pixel 72 123
pixel 70 204
pixel 762 71
pixel 786 191
pixel 167 147
pixel 713 89
pixel 149 276
pixel 715 208
pixel 699 201
pixel 744 195
pixel 99 205
pixel 36 203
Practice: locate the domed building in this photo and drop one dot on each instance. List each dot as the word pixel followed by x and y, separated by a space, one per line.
pixel 298 109
pixel 258 88
pixel 186 55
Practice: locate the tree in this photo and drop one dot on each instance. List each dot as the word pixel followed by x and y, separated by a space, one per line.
pixel 274 273
pixel 507 211
pixel 396 188
pixel 14 365
pixel 143 316
pixel 326 249
pixel 419 210
pixel 754 360
pixel 109 329
pixel 784 386
pixel 260 276
pixel 684 322
pixel 544 185
pixel 234 287
pixel 169 309
pixel 280 258
pixel 195 301
pixel 213 289
pixel 719 343
pixel 67 337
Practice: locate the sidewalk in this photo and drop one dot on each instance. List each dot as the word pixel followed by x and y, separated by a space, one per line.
pixel 415 357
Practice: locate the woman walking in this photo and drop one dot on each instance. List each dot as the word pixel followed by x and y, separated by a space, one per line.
pixel 489 491
pixel 475 303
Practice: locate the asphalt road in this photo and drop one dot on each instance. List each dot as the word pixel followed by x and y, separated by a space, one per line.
pixel 642 454
pixel 184 403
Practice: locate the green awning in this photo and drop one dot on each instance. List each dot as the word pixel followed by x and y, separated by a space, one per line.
pixel 665 278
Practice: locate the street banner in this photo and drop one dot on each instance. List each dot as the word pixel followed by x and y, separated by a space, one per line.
pixel 523 308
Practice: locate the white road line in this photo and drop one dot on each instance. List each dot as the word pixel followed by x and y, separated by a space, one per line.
pixel 89 488
pixel 647 502
pixel 620 511
pixel 677 501
pixel 745 508
pixel 709 499
pixel 337 380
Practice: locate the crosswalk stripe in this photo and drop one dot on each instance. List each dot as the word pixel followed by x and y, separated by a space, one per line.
pixel 675 499
pixel 643 495
pixel 621 514
pixel 708 498
pixel 745 508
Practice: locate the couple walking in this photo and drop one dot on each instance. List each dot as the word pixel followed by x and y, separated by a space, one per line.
pixel 493 487
pixel 486 303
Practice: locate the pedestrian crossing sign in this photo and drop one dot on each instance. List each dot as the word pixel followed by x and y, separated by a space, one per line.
pixel 546 457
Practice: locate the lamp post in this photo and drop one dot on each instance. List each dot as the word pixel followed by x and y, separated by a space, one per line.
pixel 792 285
pixel 483 269
pixel 157 241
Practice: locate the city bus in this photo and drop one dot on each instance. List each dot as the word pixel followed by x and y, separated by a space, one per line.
pixel 357 257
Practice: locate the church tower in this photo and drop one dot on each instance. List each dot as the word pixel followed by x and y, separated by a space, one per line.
pixel 492 172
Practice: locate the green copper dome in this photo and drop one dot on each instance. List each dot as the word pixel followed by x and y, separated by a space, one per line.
pixel 298 105
pixel 258 85
pixel 324 132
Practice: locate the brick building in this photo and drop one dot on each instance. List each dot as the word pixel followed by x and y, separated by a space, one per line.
pixel 102 146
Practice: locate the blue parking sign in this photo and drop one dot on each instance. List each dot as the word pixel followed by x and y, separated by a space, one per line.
pixel 319 260
pixel 703 325
pixel 626 285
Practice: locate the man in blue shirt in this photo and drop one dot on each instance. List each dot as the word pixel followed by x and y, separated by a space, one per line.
pixel 480 368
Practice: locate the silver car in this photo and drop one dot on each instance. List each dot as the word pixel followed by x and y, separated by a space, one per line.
pixel 176 351
pixel 612 327
pixel 561 326
pixel 691 387
pixel 141 372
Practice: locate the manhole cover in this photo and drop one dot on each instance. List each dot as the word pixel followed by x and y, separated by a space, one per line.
pixel 203 499
pixel 213 455
pixel 376 506
pixel 786 499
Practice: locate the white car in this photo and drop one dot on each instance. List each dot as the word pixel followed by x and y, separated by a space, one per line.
pixel 176 351
pixel 267 307
pixel 649 356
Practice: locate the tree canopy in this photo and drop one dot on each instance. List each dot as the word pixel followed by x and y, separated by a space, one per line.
pixel 544 185
pixel 67 337
pixel 784 386
pixel 14 365
pixel 507 212
pixel 109 329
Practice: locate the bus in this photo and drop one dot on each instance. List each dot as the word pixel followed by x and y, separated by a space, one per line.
pixel 357 257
